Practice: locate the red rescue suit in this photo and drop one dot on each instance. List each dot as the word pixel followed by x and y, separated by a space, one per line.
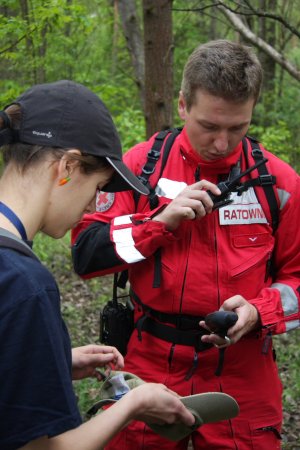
pixel 203 263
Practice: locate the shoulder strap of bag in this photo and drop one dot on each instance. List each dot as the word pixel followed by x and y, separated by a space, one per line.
pixel 152 159
pixel 265 180
pixel 8 240
pixel 149 168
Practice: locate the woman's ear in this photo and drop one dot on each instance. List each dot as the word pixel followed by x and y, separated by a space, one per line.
pixel 67 164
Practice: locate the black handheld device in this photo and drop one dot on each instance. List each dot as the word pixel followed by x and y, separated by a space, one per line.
pixel 116 324
pixel 220 321
pixel 226 187
pixel 117 320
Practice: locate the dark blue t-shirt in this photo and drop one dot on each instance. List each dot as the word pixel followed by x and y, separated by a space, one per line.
pixel 36 394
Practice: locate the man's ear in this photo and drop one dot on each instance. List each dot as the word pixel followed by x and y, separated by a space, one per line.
pixel 181 106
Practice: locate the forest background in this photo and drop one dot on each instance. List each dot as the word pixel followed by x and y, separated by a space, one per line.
pixel 132 53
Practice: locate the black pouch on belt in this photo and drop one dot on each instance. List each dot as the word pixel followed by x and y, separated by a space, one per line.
pixel 116 321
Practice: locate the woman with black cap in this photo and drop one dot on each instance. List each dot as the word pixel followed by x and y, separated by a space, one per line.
pixel 60 147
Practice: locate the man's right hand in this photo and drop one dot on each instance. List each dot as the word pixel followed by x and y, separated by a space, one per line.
pixel 193 202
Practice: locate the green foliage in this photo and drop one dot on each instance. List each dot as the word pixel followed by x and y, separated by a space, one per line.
pixel 131 125
pixel 87 393
pixel 281 138
pixel 71 40
pixel 50 250
pixel 58 39
pixel 276 138
pixel 287 348
pixel 128 118
pixel 9 91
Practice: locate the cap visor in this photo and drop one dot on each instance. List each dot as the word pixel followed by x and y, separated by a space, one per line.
pixel 123 179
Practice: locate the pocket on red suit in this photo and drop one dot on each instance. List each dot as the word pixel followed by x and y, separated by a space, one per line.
pixel 264 434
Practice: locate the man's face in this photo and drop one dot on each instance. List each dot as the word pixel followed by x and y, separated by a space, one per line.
pixel 215 126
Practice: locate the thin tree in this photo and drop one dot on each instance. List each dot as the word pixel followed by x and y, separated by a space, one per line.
pixel 158 45
pixel 134 40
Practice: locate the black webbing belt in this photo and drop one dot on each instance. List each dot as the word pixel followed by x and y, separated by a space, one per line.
pixel 173 335
pixel 185 332
pixel 181 321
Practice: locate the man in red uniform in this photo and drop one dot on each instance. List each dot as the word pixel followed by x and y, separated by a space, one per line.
pixel 186 259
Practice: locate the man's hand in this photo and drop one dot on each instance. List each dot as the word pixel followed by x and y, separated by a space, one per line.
pixel 86 360
pixel 192 203
pixel 248 320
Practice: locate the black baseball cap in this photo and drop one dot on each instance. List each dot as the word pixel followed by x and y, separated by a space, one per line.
pixel 66 114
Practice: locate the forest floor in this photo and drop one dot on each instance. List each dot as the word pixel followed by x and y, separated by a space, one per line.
pixel 81 305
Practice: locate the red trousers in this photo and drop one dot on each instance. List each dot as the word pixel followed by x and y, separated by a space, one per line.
pixel 249 375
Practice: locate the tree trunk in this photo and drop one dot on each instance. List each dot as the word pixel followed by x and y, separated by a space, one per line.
pixel 30 48
pixel 158 45
pixel 267 32
pixel 134 39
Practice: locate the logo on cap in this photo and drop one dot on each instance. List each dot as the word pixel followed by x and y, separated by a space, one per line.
pixel 104 201
pixel 42 133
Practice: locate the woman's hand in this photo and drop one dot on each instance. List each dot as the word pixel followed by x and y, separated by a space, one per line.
pixel 155 403
pixel 87 359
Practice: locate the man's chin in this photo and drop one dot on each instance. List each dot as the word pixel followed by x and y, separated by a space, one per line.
pixel 212 158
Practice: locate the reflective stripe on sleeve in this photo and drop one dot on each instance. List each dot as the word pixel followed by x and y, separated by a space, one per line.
pixel 122 220
pixel 283 197
pixel 292 325
pixel 169 188
pixel 125 247
pixel 289 302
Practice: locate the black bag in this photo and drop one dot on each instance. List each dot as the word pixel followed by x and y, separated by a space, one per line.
pixel 116 320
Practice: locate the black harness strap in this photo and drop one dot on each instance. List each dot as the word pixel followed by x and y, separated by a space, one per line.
pixel 122 280
pixel 157 269
pixel 152 158
pixel 265 180
pixel 173 135
pixel 221 362
pixel 148 169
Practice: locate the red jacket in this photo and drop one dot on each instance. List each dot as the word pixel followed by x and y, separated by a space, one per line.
pixel 206 261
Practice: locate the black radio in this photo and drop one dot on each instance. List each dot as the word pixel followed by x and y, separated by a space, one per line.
pixel 232 185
